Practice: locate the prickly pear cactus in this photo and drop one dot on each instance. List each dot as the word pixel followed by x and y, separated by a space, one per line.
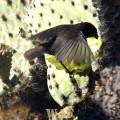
pixel 13 34
pixel 43 14
pixel 19 19
pixel 12 24
pixel 66 89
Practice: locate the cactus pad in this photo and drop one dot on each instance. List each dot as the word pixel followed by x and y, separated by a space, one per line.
pixel 66 89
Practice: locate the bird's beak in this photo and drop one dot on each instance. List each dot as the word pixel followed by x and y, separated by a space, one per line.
pixel 96 36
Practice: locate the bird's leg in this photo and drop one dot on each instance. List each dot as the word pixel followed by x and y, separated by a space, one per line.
pixel 66 68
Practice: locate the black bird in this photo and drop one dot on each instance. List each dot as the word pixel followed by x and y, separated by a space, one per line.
pixel 66 42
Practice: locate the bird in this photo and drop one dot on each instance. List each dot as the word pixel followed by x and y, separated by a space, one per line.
pixel 66 54
pixel 67 42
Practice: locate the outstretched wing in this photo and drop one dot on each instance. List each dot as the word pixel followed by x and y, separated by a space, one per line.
pixel 69 47
pixel 43 37
pixel 43 41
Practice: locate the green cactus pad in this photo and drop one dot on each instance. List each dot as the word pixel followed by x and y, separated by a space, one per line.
pixel 13 32
pixel 65 88
pixel 71 66
pixel 12 25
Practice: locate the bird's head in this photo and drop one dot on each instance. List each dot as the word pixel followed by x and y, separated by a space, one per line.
pixel 89 30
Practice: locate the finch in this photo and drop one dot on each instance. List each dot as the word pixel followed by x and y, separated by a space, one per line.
pixel 68 43
pixel 67 54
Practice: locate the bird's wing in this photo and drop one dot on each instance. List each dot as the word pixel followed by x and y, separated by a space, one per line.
pixel 34 52
pixel 73 49
pixel 43 37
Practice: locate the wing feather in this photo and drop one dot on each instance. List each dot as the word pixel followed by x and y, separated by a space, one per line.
pixel 72 49
pixel 88 55
pixel 44 37
pixel 82 57
pixel 76 58
pixel 79 53
pixel 66 46
pixel 63 52
pixel 71 55
pixel 67 53
pixel 58 46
